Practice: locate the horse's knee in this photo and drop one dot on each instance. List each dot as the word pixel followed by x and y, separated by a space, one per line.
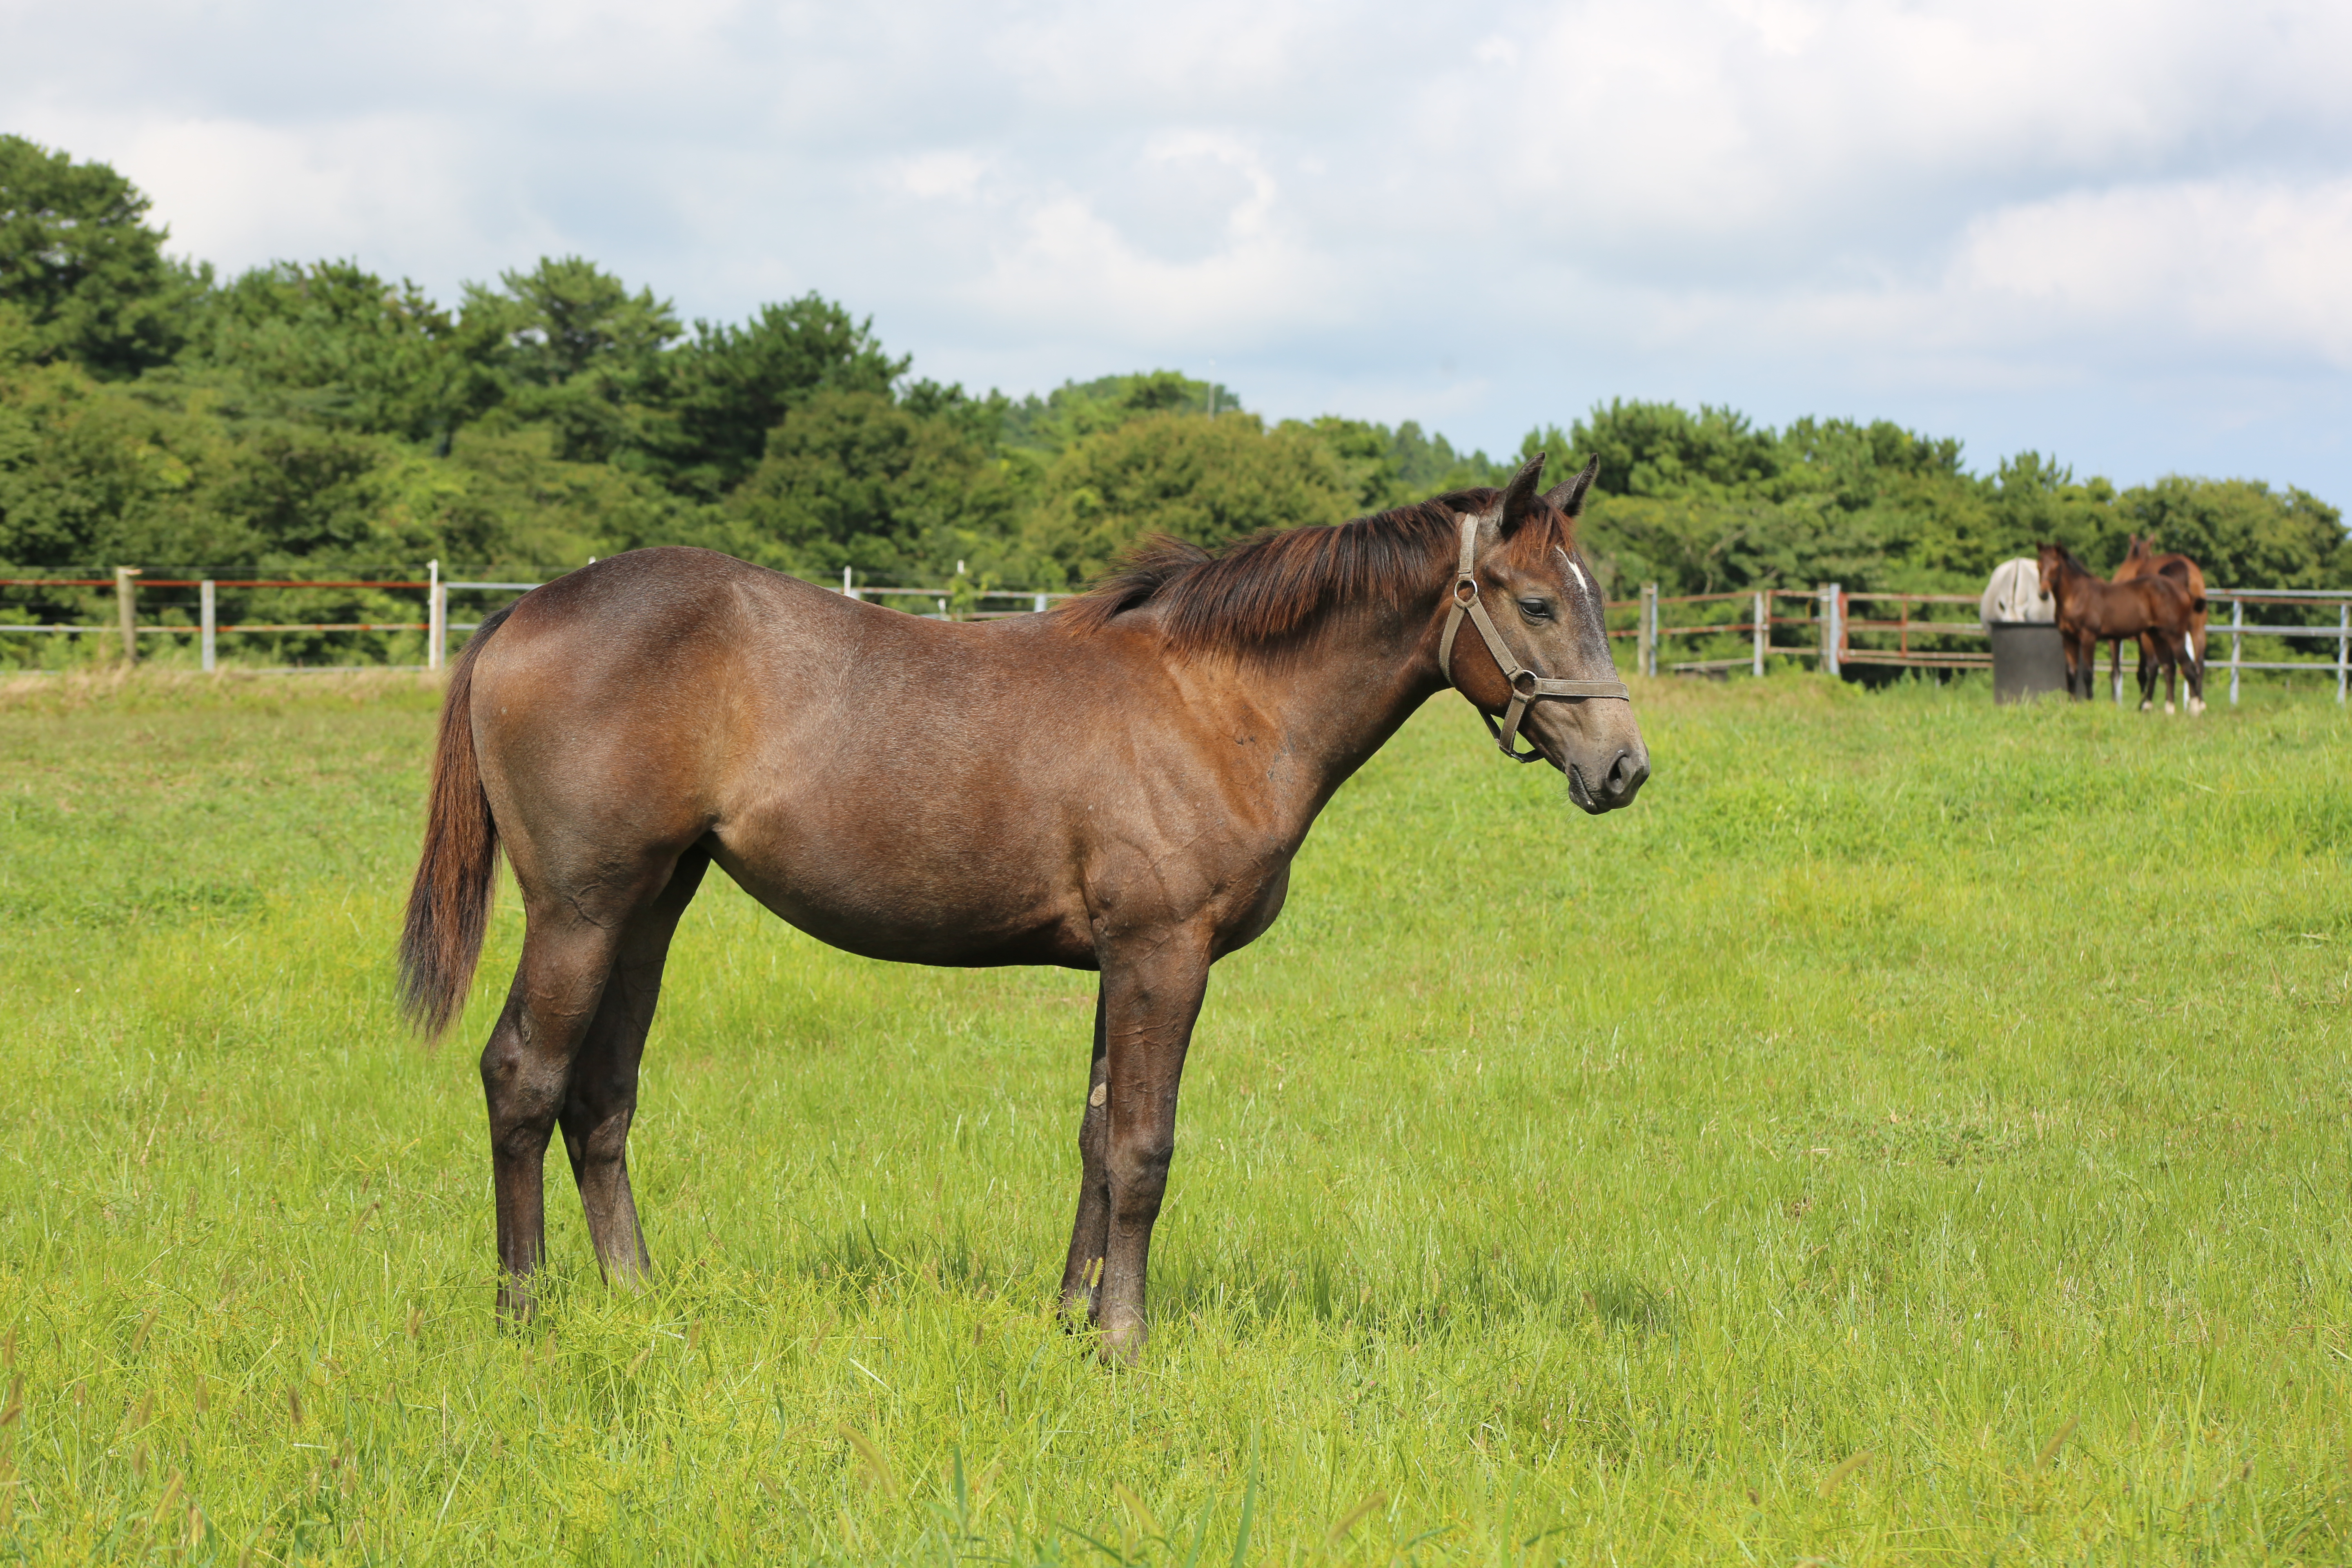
pixel 524 1089
pixel 1138 1177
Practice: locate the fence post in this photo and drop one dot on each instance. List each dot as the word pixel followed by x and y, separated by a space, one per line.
pixel 206 617
pixel 2237 635
pixel 1763 628
pixel 1645 645
pixel 2343 649
pixel 1832 632
pixel 126 610
pixel 847 590
pixel 436 616
pixel 1041 604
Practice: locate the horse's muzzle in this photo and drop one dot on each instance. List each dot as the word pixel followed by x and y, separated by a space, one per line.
pixel 1617 783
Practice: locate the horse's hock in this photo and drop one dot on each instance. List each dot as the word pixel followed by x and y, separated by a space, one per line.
pixel 2028 655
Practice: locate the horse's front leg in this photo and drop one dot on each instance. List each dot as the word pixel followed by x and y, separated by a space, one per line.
pixel 1151 991
pixel 1090 1233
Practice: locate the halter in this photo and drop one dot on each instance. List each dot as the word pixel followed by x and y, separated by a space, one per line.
pixel 1527 686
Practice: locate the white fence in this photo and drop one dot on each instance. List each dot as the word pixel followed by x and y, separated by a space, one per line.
pixel 209 629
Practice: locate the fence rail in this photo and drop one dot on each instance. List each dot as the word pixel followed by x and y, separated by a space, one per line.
pixel 1825 623
pixel 1832 627
pixel 209 628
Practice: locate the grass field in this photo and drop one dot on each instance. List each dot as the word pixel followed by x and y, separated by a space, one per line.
pixel 1915 1132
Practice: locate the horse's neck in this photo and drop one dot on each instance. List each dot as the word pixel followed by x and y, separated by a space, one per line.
pixel 1345 689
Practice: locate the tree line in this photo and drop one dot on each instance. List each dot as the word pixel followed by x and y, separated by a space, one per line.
pixel 314 418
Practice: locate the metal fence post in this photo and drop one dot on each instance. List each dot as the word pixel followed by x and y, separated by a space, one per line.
pixel 436 616
pixel 1645 645
pixel 2237 638
pixel 1040 605
pixel 1832 632
pixel 847 590
pixel 1763 628
pixel 2343 647
pixel 126 610
pixel 206 617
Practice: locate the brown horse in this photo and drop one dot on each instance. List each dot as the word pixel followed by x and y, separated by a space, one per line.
pixel 2141 560
pixel 2092 610
pixel 1118 786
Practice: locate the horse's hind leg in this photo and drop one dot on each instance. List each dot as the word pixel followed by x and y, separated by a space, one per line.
pixel 1090 1233
pixel 527 1073
pixel 602 1098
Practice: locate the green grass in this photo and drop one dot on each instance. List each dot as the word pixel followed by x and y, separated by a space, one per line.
pixel 1915 1132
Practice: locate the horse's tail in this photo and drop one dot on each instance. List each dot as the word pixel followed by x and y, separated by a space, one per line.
pixel 449 906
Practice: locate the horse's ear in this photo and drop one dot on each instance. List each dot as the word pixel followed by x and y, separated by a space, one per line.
pixel 1570 497
pixel 1519 496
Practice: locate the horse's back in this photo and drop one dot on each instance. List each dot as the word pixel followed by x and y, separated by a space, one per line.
pixel 859 771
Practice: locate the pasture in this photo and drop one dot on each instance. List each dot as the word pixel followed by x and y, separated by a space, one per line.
pixel 1912 1132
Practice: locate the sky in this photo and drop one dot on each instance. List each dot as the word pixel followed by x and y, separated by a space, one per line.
pixel 2118 234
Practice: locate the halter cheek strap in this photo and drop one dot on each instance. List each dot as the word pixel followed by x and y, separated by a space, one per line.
pixel 1527 686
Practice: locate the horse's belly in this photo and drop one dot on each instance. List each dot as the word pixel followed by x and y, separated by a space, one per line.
pixel 889 913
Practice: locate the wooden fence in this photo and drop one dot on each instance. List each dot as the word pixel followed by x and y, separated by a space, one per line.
pixel 1913 631
pixel 1904 630
pixel 209 629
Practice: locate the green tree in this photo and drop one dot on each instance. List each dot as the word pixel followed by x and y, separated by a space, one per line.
pixel 851 479
pixel 90 477
pixel 77 257
pixel 1206 481
pixel 334 344
pixel 2036 499
pixel 1391 468
pixel 1662 450
pixel 720 394
pixel 1074 410
pixel 579 349
pixel 2243 532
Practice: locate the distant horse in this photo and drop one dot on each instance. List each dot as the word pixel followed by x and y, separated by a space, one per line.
pixel 2092 610
pixel 1119 785
pixel 2141 561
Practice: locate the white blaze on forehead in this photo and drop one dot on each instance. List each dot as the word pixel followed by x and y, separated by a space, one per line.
pixel 1574 570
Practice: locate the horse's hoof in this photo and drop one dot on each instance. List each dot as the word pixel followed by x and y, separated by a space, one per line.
pixel 2168 708
pixel 1122 1341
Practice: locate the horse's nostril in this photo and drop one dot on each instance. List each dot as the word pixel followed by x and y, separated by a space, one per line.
pixel 1626 775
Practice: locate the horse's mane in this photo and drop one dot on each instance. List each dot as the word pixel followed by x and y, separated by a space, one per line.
pixel 1274 588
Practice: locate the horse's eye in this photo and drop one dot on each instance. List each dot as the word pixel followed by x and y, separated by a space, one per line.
pixel 1535 609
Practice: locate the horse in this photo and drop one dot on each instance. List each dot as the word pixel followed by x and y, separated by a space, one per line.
pixel 1118 784
pixel 2141 561
pixel 2092 610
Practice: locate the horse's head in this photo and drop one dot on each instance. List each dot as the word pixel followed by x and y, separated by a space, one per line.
pixel 2054 559
pixel 1544 601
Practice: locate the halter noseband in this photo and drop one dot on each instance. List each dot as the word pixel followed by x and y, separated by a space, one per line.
pixel 1527 686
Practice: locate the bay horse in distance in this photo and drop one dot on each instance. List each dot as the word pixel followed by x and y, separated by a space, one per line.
pixel 2092 610
pixel 1119 784
pixel 2140 560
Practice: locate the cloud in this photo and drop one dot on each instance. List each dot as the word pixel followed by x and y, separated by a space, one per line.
pixel 2248 271
pixel 1501 209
